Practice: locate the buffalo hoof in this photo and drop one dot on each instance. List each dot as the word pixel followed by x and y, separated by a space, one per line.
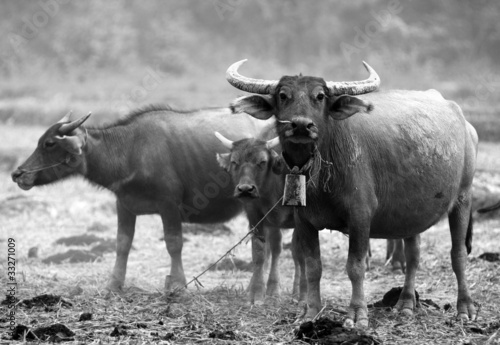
pixel 256 296
pixel 406 312
pixel 115 286
pixel 360 323
pixel 356 317
pixel 466 311
pixel 258 301
pixel 172 284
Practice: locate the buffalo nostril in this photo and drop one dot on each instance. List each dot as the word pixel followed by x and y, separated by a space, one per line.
pixel 310 125
pixel 294 125
pixel 16 174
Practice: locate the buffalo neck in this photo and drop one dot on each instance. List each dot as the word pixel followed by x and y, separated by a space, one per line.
pixel 105 155
pixel 339 153
pixel 297 155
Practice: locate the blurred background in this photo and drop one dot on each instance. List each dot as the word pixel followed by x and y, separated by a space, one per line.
pixel 113 56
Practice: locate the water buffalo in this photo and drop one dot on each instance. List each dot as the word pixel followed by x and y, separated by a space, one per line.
pixel 380 165
pixel 156 161
pixel 255 168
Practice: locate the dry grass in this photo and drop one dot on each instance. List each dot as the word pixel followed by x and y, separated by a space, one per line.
pixel 42 215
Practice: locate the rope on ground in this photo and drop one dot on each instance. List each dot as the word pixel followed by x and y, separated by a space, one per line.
pixel 195 279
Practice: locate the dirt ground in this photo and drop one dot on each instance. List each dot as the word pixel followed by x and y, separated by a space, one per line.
pixel 218 311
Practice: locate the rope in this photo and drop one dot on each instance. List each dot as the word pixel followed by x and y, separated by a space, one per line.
pixel 195 279
pixel 66 160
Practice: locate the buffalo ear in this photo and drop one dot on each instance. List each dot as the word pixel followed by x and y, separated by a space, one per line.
pixel 260 107
pixel 346 106
pixel 224 160
pixel 73 144
pixel 278 166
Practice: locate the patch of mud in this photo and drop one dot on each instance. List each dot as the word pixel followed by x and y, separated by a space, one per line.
pixel 326 331
pixel 45 300
pixel 33 252
pixel 491 257
pixel 222 334
pixel 72 256
pixel 85 317
pixel 232 264
pixel 107 246
pixel 391 298
pixel 79 240
pixel 9 300
pixel 53 333
pixel 120 330
pixel 215 229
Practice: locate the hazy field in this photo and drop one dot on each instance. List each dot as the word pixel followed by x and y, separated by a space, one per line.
pixel 39 217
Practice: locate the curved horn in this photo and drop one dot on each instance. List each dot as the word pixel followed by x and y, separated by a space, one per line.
pixel 69 127
pixel 225 141
pixel 356 87
pixel 261 86
pixel 271 144
pixel 66 118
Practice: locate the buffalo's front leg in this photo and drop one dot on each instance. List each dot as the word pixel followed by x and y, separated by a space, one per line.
pixel 407 302
pixel 124 238
pixel 274 237
pixel 299 279
pixel 172 229
pixel 308 245
pixel 257 287
pixel 357 313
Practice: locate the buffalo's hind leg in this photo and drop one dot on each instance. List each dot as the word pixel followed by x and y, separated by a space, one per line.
pixel 460 219
pixel 407 301
pixel 124 238
pixel 172 229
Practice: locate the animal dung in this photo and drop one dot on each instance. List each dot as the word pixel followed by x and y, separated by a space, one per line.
pixel 295 190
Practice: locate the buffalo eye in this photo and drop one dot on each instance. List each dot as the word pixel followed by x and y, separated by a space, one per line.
pixel 320 96
pixel 261 164
pixel 49 144
pixel 283 96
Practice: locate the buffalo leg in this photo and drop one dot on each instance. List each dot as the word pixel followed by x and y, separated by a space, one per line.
pixel 299 278
pixel 274 237
pixel 460 220
pixel 257 287
pixel 124 238
pixel 395 253
pixel 308 246
pixel 407 302
pixel 172 229
pixel 356 266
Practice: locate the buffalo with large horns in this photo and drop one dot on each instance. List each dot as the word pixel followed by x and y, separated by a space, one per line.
pixel 379 165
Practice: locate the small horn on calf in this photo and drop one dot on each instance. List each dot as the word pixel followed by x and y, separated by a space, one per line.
pixel 261 86
pixel 72 144
pixel 225 141
pixel 66 118
pixel 355 87
pixel 271 144
pixel 69 127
